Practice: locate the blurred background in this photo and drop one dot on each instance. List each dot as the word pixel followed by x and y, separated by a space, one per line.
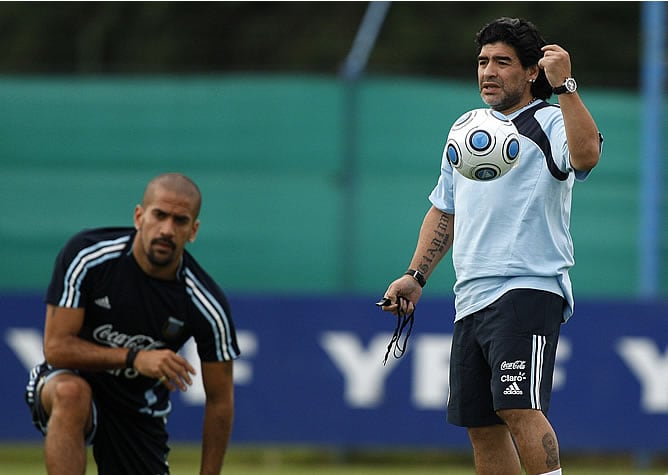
pixel 315 131
pixel 302 166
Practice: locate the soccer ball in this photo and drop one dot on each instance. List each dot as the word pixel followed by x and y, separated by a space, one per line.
pixel 483 145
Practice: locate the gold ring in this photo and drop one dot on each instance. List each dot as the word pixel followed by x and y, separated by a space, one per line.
pixel 163 379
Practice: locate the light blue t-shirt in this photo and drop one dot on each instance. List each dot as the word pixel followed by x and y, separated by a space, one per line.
pixel 513 232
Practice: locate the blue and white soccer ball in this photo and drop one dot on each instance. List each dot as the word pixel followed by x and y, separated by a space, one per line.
pixel 483 145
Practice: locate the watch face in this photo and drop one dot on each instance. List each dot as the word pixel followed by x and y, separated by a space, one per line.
pixel 571 85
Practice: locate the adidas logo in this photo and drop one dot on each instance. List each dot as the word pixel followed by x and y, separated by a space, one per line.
pixel 513 390
pixel 103 302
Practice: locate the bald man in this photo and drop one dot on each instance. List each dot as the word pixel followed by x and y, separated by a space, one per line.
pixel 120 305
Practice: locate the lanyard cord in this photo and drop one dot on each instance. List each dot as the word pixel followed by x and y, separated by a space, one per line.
pixel 403 320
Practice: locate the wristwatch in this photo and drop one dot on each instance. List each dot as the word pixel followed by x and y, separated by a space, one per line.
pixel 417 275
pixel 569 86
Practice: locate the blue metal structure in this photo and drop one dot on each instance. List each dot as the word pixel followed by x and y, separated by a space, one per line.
pixel 652 81
pixel 351 71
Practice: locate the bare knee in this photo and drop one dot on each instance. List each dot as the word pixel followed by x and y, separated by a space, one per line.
pixel 68 396
pixel 494 450
pixel 494 432
pixel 517 418
pixel 535 439
pixel 509 415
pixel 490 438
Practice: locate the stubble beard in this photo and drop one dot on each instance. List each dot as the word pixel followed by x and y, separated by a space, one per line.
pixel 157 261
pixel 508 101
pixel 160 259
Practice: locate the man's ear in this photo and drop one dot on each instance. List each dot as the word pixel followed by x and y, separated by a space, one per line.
pixel 139 212
pixel 193 235
pixel 534 71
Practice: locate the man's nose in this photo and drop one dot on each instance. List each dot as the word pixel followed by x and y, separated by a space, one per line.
pixel 167 227
pixel 488 71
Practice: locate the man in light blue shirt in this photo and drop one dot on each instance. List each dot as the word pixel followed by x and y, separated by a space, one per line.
pixel 511 254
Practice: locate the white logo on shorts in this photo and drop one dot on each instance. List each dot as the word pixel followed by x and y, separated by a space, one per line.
pixel 508 365
pixel 509 378
pixel 513 390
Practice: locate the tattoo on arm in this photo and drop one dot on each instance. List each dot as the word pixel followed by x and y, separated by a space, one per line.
pixel 439 244
pixel 551 451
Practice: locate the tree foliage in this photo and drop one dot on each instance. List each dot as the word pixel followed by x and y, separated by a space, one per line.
pixel 433 39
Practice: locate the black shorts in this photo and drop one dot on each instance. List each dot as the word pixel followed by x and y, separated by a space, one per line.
pixel 123 444
pixel 503 357
pixel 130 444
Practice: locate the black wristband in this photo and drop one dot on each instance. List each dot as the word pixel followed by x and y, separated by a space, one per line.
pixel 131 357
pixel 417 275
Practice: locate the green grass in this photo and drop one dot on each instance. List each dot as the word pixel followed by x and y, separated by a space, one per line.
pixel 27 459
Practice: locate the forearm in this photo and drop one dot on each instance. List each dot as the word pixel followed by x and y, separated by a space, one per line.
pixel 581 132
pixel 218 419
pixel 434 241
pixel 70 351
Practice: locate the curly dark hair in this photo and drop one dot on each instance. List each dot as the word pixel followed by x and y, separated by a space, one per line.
pixel 525 38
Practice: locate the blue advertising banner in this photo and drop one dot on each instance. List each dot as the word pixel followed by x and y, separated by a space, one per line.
pixel 312 373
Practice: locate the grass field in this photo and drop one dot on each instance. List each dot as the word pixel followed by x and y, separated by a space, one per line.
pixel 27 460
